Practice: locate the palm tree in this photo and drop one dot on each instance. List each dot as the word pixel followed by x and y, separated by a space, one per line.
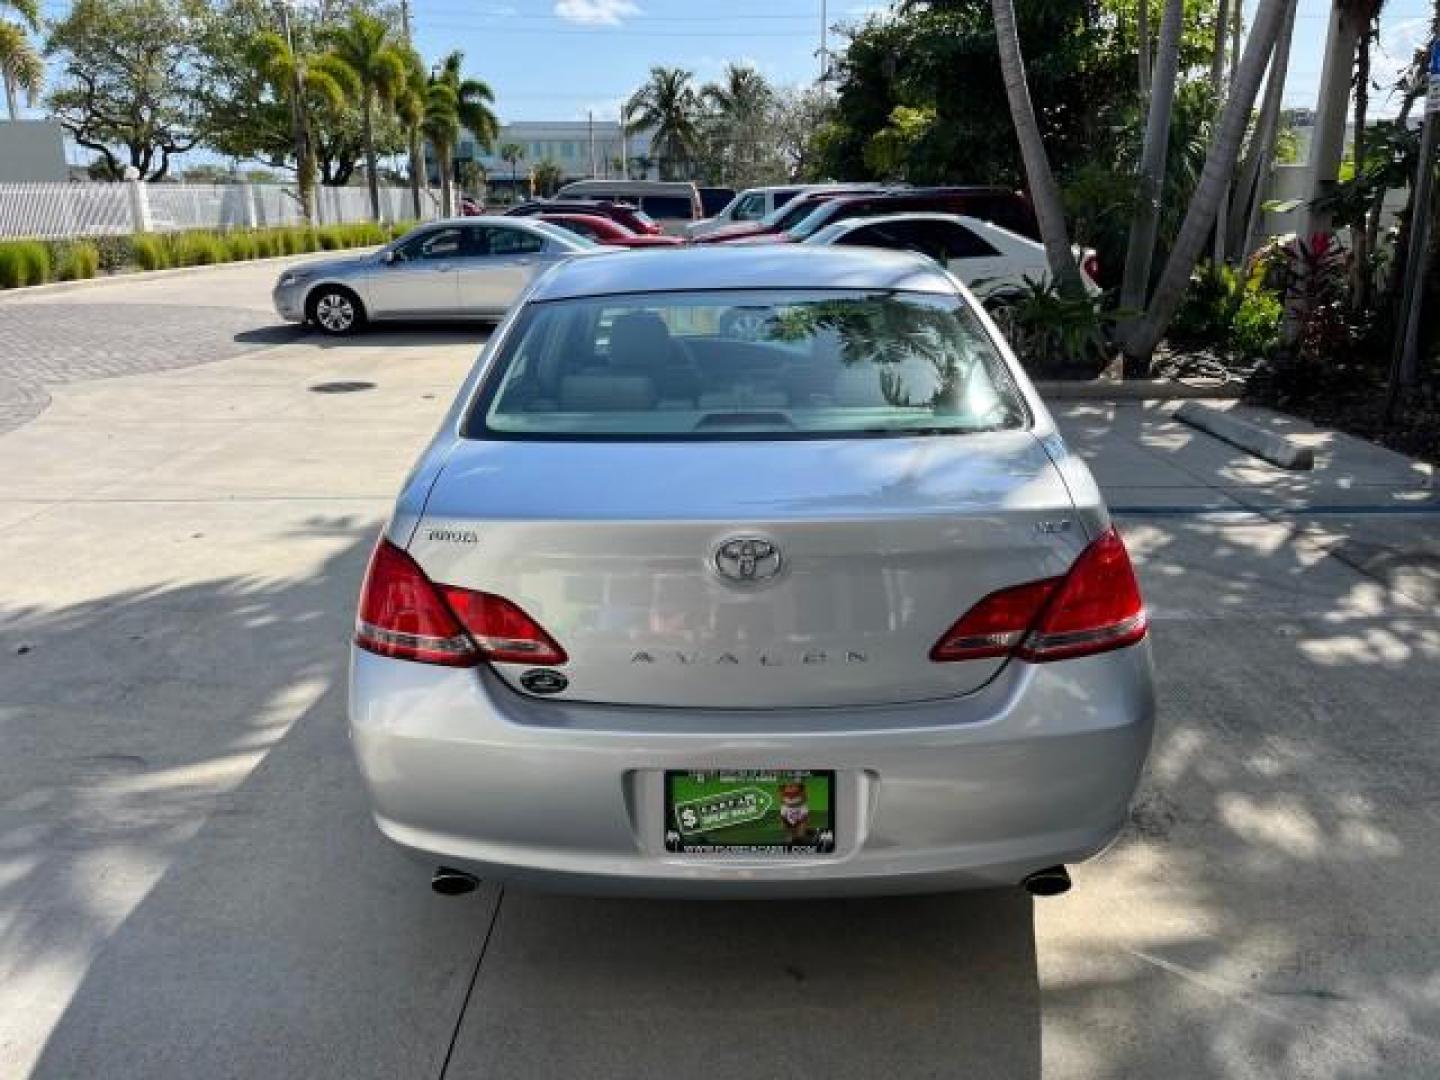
pixel 410 111
pixel 547 176
pixel 369 45
pixel 473 99
pixel 512 154
pixel 442 128
pixel 1044 191
pixel 302 81
pixel 667 106
pixel 1142 334
pixel 740 101
pixel 1145 220
pixel 21 66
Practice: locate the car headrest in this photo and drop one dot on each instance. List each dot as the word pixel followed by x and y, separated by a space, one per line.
pixel 639 339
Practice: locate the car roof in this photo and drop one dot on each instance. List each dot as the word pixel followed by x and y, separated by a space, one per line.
pixel 836 228
pixel 778 266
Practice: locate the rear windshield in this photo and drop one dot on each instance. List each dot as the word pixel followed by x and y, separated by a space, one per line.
pixel 668 206
pixel 733 365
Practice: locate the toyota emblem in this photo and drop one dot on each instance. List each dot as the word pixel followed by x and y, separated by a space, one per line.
pixel 747 559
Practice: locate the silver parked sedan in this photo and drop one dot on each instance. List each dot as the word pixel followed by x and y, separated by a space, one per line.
pixel 467 268
pixel 830 609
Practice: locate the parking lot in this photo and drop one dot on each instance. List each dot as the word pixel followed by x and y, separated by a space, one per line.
pixel 189 882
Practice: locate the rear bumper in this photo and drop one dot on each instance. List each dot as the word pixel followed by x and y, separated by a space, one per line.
pixel 1036 768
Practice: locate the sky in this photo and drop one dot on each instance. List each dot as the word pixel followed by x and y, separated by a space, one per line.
pixel 562 59
pixel 559 59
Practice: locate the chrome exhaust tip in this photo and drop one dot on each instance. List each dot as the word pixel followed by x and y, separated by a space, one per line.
pixel 448 882
pixel 1052 881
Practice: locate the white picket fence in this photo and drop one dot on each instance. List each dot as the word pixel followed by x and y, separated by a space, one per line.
pixel 54 211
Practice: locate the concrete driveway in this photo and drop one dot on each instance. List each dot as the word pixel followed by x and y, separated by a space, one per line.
pixel 189 884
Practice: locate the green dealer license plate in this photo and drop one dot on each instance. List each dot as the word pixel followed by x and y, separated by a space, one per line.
pixel 750 812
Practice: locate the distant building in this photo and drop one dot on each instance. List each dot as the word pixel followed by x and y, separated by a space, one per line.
pixel 580 148
pixel 32 152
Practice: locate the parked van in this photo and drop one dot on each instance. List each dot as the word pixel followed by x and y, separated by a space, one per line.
pixel 671 205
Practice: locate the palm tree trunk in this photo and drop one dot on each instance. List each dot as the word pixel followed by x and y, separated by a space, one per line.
pixel 367 110
pixel 1327 146
pixel 1359 232
pixel 1142 32
pixel 1217 54
pixel 1146 219
pixel 417 169
pixel 1044 191
pixel 447 180
pixel 1219 164
pixel 11 100
pixel 1255 171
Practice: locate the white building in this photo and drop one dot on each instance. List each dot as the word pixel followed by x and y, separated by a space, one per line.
pixel 581 148
pixel 32 151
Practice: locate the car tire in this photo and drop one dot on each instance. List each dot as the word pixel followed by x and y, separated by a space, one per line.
pixel 335 311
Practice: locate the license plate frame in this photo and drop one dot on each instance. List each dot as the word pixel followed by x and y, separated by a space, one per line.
pixel 750 812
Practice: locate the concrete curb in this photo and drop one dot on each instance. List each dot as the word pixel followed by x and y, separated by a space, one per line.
pixel 1276 449
pixel 1137 390
pixel 152 275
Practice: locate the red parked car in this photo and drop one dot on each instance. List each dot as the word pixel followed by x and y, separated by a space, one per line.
pixel 603 230
pixel 637 221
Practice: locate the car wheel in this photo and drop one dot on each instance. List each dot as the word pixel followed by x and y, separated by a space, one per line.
pixel 744 324
pixel 336 311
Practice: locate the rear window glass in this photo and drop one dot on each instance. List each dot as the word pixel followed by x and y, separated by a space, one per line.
pixel 668 206
pixel 765 364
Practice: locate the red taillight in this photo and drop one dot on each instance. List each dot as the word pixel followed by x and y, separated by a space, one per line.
pixel 405 616
pixel 503 632
pixel 1093 608
pixel 1091 265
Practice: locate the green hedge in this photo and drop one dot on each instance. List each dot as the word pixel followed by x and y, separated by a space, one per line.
pixel 34 262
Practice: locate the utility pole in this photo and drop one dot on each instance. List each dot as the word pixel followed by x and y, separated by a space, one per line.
pixel 1405 364
pixel 824 57
pixel 405 19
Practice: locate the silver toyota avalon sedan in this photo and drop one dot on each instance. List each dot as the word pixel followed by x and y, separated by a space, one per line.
pixel 827 609
pixel 466 268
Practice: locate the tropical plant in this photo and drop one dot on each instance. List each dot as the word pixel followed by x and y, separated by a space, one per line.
pixel 304 81
pixel 442 128
pixel 1044 191
pixel 547 176
pixel 1055 333
pixel 740 104
pixel 1143 333
pixel 21 67
pixel 410 102
pixel 512 154
pixel 473 101
pixel 669 108
pixel 368 44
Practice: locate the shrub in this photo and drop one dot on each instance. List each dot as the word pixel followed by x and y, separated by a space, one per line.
pixel 151 252
pixel 24 262
pixel 240 245
pixel 116 252
pixel 1054 334
pixel 198 249
pixel 75 259
pixel 1255 331
pixel 1208 310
